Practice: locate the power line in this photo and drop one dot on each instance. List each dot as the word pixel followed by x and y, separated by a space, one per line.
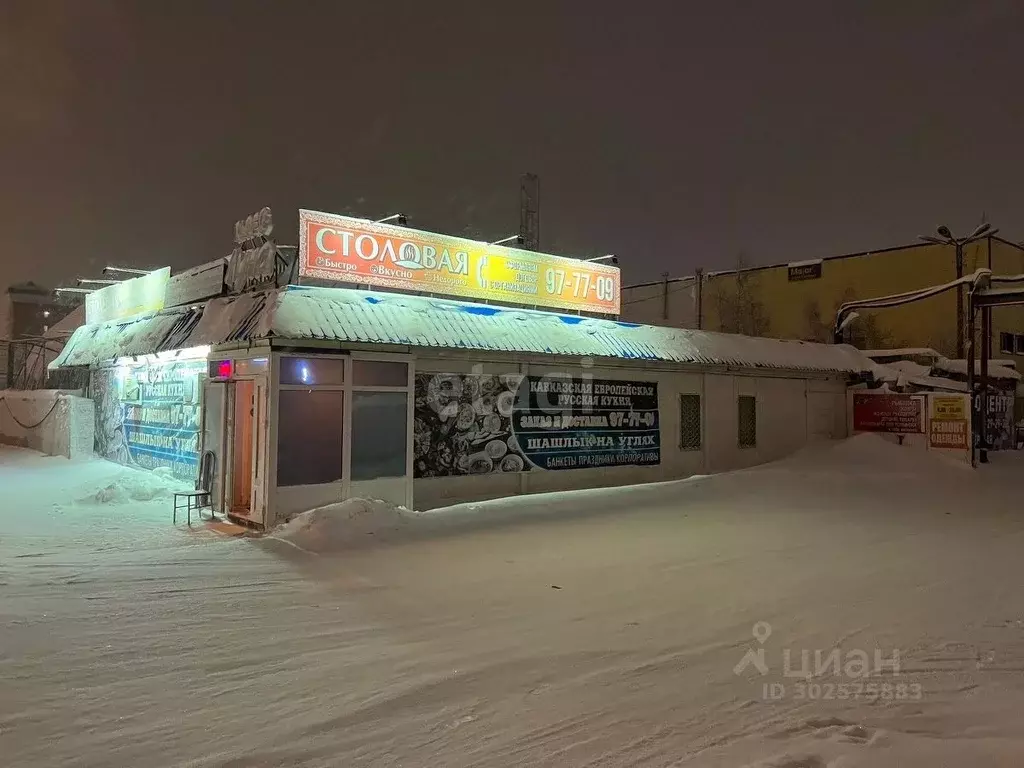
pixel 660 295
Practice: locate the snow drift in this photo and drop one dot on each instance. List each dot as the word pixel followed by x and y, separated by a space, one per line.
pixel 344 525
pixel 138 485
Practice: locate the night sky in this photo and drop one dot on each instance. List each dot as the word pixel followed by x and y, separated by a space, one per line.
pixel 674 135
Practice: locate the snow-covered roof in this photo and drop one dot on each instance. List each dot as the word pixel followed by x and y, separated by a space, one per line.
pixel 352 316
pixel 960 367
pixel 875 354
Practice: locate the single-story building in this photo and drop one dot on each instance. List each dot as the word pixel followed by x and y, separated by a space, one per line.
pixel 311 394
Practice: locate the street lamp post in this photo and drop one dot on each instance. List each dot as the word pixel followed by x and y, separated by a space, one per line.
pixel 979 423
pixel 946 238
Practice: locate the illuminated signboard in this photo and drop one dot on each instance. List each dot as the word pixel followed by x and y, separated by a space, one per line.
pixel 137 296
pixel 348 250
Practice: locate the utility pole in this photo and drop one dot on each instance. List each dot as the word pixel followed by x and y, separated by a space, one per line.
pixel 986 334
pixel 970 374
pixel 698 297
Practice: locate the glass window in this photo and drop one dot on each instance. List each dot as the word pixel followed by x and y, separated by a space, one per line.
pixel 1020 343
pixel 747 421
pixel 379 373
pixel 689 422
pixel 1006 343
pixel 309 436
pixel 379 434
pixel 313 371
pixel 250 366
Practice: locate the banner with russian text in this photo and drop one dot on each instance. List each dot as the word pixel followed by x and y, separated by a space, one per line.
pixel 355 251
pixel 483 423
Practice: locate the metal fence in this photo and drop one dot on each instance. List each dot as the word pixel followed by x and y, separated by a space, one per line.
pixel 23 366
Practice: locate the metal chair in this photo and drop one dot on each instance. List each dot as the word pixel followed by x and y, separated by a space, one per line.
pixel 200 497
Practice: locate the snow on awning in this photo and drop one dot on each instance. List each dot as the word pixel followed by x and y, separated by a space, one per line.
pixel 141 335
pixel 345 315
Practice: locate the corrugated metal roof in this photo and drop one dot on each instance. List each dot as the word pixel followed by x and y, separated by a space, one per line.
pixel 363 316
pixel 345 315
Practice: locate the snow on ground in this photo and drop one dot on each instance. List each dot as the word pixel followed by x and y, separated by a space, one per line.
pixel 593 629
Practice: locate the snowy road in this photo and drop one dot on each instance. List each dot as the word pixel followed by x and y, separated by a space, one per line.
pixel 602 630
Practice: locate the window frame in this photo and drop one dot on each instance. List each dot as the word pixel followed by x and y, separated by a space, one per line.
pixel 344 443
pixel 1018 343
pixel 345 407
pixel 683 446
pixel 1008 349
pixel 739 421
pixel 353 437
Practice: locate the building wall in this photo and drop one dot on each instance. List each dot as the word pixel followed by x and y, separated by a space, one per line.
pixel 447 455
pixel 786 410
pixel 49 421
pixel 766 302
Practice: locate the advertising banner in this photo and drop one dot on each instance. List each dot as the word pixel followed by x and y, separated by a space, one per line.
pixel 948 427
pixel 148 415
pixel 356 251
pixel 137 296
pixel 483 423
pixel 897 414
pixel 1000 431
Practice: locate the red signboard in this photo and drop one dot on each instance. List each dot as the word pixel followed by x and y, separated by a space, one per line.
pixel 898 414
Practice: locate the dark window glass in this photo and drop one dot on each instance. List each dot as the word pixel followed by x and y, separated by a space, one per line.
pixel 379 434
pixel 309 431
pixel 689 422
pixel 313 371
pixel 1006 343
pixel 379 373
pixel 1020 343
pixel 747 413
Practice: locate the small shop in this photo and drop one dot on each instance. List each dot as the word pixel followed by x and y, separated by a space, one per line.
pixel 377 361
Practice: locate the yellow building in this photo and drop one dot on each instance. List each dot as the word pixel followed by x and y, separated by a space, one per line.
pixel 799 300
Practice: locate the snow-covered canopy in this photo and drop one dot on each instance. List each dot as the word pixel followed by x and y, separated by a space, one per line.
pixel 351 316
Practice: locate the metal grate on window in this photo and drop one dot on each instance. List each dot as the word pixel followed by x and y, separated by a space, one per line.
pixel 689 422
pixel 747 412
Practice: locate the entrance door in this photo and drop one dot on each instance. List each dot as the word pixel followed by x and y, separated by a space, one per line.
pixel 242 448
pixel 247 437
pixel 214 403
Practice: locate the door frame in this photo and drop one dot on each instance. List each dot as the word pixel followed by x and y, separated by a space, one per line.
pixel 258 489
pixel 217 503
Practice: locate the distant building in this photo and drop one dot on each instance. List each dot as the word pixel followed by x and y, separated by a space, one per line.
pixel 31 309
pixel 27 312
pixel 799 300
